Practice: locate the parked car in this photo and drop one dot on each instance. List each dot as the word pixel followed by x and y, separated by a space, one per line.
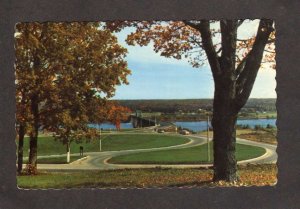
pixel 184 132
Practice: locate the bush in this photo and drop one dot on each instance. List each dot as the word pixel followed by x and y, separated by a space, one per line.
pixel 243 126
pixel 246 126
pixel 258 127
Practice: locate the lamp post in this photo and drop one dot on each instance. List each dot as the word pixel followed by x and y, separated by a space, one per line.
pixel 100 145
pixel 208 150
pixel 68 152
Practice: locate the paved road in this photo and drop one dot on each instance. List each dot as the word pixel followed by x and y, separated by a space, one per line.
pixel 98 160
pixel 269 157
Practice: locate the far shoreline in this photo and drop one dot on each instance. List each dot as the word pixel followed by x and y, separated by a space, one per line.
pixel 247 118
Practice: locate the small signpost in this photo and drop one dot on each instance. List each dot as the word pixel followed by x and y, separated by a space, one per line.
pixel 81 150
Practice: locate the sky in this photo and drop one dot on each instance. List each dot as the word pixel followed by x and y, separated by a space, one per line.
pixel 156 77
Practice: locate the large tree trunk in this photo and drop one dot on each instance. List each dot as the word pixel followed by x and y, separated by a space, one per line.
pixel 225 164
pixel 233 85
pixel 224 134
pixel 32 164
pixel 20 148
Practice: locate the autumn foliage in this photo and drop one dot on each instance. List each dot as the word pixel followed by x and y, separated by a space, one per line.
pixel 179 39
pixel 117 114
pixel 64 72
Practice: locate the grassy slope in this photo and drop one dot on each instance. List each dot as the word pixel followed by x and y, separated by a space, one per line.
pixel 263 135
pixel 196 154
pixel 259 175
pixel 48 146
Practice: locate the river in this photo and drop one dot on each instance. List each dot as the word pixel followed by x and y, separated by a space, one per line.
pixel 198 125
pixel 202 125
pixel 107 126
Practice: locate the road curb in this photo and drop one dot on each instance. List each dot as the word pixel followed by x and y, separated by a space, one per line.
pixel 79 160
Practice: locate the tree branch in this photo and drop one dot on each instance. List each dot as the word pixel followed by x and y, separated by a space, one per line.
pixel 208 46
pixel 242 40
pixel 194 40
pixel 219 50
pixel 238 58
pixel 240 67
pixel 273 52
pixel 229 36
pixel 271 41
pixel 245 81
pixel 204 28
pixel 192 25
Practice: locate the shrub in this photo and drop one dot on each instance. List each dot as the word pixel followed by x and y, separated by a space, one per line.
pixel 258 127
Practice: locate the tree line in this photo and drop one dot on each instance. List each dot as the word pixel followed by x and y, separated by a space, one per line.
pixel 192 105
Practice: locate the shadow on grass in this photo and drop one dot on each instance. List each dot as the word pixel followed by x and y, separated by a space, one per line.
pixel 192 184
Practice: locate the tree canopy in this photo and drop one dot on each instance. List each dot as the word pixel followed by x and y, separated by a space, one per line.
pixel 182 39
pixel 63 72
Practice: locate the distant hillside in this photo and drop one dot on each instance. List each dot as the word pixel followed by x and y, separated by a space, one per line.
pixel 261 104
pixel 191 105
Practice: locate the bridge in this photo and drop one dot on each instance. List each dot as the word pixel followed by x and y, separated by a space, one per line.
pixel 138 121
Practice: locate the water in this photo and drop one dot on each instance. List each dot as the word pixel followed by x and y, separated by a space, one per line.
pixel 195 126
pixel 202 125
pixel 111 126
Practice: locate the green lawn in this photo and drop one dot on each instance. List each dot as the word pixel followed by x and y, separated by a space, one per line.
pixel 191 155
pixel 48 146
pixel 55 160
pixel 259 175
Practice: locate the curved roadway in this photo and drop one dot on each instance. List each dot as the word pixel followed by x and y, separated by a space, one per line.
pixel 98 160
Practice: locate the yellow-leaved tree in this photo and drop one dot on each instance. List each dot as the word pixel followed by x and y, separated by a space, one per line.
pixel 63 72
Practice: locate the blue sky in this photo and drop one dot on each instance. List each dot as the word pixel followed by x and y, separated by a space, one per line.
pixel 157 77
